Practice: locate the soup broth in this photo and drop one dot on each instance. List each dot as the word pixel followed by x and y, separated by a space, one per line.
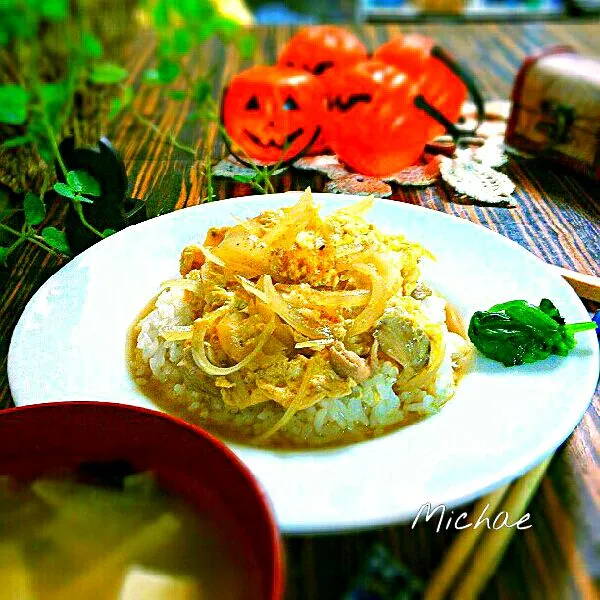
pixel 64 537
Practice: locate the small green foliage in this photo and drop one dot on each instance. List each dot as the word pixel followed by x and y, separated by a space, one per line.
pixel 53 10
pixel 202 91
pixel 35 209
pixel 3 254
pixel 168 71
pixel 108 232
pixel 64 190
pixel 245 178
pixel 182 41
pixel 15 142
pixel 178 95
pixel 151 76
pixel 56 239
pixel 91 45
pixel 118 103
pixel 54 96
pixel 14 101
pixel 82 182
pixel 78 184
pixel 108 73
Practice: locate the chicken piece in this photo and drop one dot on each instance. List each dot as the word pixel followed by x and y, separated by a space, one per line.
pixel 401 339
pixel 192 258
pixel 215 235
pixel 421 291
pixel 349 364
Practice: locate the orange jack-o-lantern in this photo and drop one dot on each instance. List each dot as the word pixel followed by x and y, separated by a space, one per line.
pixel 373 124
pixel 321 50
pixel 273 113
pixel 419 57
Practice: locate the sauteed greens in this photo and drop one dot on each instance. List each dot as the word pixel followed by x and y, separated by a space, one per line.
pixel 517 332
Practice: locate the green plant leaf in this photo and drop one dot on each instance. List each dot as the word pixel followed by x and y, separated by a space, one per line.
pixel 79 198
pixel 91 45
pixel 151 76
pixel 167 71
pixel 3 255
pixel 164 48
pixel 202 91
pixel 19 140
pixel 118 103
pixel 182 41
pixel 64 190
pixel 108 73
pixel 13 104
pixel 56 239
pixel 35 209
pixel 83 183
pixel 54 96
pixel 108 232
pixel 245 178
pixel 160 14
pixel 53 10
pixel 227 29
pixel 178 95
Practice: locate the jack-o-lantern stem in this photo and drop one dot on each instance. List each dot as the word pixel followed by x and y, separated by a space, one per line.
pixel 469 81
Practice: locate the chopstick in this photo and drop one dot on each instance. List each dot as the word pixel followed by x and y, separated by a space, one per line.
pixel 486 555
pixel 585 286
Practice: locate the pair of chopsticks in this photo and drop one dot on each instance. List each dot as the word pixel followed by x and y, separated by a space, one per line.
pixel 475 553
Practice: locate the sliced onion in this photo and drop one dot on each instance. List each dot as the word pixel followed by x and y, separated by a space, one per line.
pixel 289 315
pixel 376 305
pixel 176 333
pixel 210 257
pixel 317 344
pixel 199 354
pixel 330 299
pixel 295 219
pixel 252 289
pixel 356 209
pixel 293 408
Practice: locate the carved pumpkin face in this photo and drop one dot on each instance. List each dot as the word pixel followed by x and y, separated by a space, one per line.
pixel 273 113
pixel 321 50
pixel 439 85
pixel 373 125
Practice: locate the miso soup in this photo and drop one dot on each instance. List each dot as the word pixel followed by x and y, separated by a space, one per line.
pixel 71 538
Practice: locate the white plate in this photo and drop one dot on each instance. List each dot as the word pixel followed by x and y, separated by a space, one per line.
pixel 70 344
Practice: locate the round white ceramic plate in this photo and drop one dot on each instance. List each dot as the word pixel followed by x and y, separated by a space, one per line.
pixel 70 344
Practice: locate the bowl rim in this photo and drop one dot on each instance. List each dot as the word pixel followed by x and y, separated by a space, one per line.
pixel 275 539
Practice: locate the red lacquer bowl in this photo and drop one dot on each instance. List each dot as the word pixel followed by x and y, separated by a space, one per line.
pixel 186 460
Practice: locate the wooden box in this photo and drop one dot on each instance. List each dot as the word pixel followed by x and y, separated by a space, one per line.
pixel 556 109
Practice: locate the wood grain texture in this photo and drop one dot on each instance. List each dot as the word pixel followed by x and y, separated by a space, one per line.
pixel 558 219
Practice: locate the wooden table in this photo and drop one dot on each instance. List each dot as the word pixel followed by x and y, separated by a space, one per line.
pixel 557 219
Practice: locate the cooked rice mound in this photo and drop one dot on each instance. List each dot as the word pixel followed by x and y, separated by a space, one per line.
pixel 292 330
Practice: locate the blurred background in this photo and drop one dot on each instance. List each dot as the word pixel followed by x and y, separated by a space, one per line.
pixel 316 11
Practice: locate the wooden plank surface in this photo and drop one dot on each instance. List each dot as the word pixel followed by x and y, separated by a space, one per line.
pixel 558 219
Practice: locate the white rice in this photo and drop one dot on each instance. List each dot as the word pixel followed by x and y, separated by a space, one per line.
pixel 372 405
